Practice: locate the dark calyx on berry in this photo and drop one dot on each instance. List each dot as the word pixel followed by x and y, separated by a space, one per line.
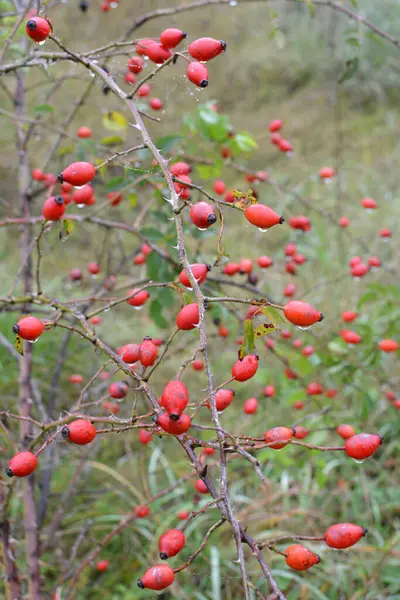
pixel 281 220
pixel 174 417
pixel 223 44
pixel 59 200
pixel 9 473
pixel 204 83
pixel 84 6
pixel 65 432
pixel 15 329
pixel 163 556
pixel 60 178
pixel 140 584
pixel 211 218
pixel 31 24
pixel 321 317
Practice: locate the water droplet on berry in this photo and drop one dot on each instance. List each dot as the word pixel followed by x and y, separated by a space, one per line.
pixel 80 205
pixel 32 341
pixel 202 228
pixel 303 328
pixel 233 3
pixel 78 187
pixel 41 43
pixel 137 307
pixel 356 460
pixel 263 230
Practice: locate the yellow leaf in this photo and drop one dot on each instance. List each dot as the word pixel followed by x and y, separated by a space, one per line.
pixel 19 345
pixel 265 327
pixel 115 121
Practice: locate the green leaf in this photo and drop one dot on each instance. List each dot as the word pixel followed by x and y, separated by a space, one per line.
pixel 112 140
pixel 166 143
pixel 156 314
pixel 244 142
pixel 375 38
pixel 115 121
pixel 353 41
pixel 208 171
pixel 166 297
pixel 351 69
pixel 311 7
pixel 152 234
pixel 43 109
pixel 115 184
pixel 157 268
pixel 65 150
pixel 132 198
pixel 248 345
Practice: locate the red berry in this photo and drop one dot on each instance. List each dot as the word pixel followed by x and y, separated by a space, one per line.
pixel 141 511
pixel 299 259
pixel 222 398
pixel 158 53
pixel 197 73
pixel 118 389
pixel 275 125
pixel 262 216
pixel 206 48
pixel 344 222
pixel 53 208
pixel 301 314
pixel 301 222
pixel 84 132
pixel 374 261
pixel 145 437
pixel 226 152
pixel 269 391
pixel 219 187
pixel 245 265
pixel 180 168
pixel 175 398
pixel 157 578
pixel 115 198
pixel 223 332
pixel 111 407
pixel 231 268
pixel 343 535
pixel 350 337
pixel 280 435
pixel 135 64
pixel 308 350
pixel 174 427
pixel 202 215
pixel 359 270
pixel 146 249
pixel 326 173
pixel 38 29
pixel 286 334
pixel 345 431
pixel 93 268
pixel 349 316
pixel 38 175
pixel 22 464
pixel 130 78
pixel 188 317
pixel 156 104
pixel 79 432
pixel 264 262
pixel 369 203
pixel 77 173
pixel 290 249
pixel 183 515
pixel 138 298
pixel 250 406
pixel 199 271
pixel 276 139
pixel 105 6
pixel 388 345
pixel 139 259
pixel 285 145
pixel 245 369
pixel 290 374
pixel 198 365
pixel 208 451
pixel 290 267
pixel 200 486
pixel 300 558
pixel 148 352
pixel 144 90
pixel 83 195
pixel 78 379
pixel 96 320
pixel 297 343
pixel 301 432
pixel 172 37
pixel 29 328
pixel 142 45
pixel 102 565
pixel 129 353
pixel 384 233
pixel 171 543
pixel 314 389
pixel 289 290
pixel 362 445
